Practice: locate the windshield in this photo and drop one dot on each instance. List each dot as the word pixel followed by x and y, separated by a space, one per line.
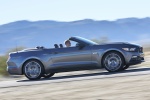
pixel 86 40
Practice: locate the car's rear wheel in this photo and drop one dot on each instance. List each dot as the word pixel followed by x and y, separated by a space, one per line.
pixel 48 75
pixel 33 69
pixel 113 61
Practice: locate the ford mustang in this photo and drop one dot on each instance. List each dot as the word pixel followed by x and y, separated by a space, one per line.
pixel 40 62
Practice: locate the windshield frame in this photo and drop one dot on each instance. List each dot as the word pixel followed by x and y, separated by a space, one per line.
pixel 83 40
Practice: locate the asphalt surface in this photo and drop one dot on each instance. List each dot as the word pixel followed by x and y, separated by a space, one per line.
pixel 78 77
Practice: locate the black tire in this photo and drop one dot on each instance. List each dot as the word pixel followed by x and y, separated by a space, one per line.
pixel 36 65
pixel 48 75
pixel 125 67
pixel 113 61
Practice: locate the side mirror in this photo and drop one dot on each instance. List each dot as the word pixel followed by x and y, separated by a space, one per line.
pixel 80 45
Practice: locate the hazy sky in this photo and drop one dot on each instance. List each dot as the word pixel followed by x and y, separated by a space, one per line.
pixel 69 10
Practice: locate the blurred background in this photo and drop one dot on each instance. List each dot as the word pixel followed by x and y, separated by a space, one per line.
pixel 31 23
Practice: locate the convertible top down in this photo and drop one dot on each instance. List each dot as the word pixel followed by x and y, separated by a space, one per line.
pixel 84 55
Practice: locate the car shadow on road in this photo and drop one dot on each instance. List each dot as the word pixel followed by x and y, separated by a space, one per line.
pixel 91 74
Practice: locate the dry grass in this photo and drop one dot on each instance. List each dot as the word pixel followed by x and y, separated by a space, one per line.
pixel 147 60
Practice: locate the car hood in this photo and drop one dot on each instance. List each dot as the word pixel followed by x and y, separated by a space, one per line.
pixel 123 43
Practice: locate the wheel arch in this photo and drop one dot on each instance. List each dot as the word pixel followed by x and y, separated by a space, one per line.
pixel 113 50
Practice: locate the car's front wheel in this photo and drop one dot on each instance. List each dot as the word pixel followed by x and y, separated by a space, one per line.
pixel 113 61
pixel 33 69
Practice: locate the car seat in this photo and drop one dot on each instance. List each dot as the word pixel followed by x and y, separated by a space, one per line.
pixel 61 46
pixel 56 46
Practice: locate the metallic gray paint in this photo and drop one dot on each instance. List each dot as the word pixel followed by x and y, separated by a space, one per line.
pixel 68 59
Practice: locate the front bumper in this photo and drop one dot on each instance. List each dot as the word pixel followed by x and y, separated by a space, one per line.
pixel 136 59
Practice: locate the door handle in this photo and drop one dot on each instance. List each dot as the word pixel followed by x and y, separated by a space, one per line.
pixel 95 52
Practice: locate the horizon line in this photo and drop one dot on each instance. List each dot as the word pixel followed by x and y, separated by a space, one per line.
pixel 75 20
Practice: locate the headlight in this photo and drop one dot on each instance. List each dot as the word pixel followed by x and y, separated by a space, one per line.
pixel 129 49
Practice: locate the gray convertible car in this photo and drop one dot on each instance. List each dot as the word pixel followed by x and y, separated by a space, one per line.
pixel 84 55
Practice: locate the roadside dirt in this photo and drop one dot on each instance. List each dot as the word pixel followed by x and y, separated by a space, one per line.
pixel 119 88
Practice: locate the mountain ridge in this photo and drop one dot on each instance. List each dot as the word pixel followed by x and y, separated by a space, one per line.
pixel 47 32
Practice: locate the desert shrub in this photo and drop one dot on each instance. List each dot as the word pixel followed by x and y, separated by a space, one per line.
pixel 3 60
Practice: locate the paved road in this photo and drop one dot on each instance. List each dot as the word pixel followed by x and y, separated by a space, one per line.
pixel 80 77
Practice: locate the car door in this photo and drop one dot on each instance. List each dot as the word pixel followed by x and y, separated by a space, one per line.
pixel 71 58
